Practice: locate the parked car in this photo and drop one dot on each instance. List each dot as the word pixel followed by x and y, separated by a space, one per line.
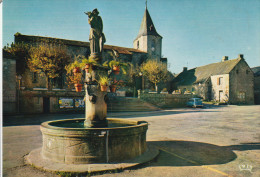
pixel 194 102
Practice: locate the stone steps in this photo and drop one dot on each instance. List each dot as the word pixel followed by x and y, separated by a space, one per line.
pixel 127 104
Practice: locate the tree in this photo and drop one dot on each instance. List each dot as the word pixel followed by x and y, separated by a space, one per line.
pixel 48 59
pixel 155 72
pixel 21 51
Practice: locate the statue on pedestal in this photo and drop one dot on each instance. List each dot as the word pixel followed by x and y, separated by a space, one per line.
pixel 95 99
pixel 96 36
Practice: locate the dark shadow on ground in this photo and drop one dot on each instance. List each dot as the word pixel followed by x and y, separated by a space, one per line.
pixel 188 153
pixel 162 113
pixel 20 120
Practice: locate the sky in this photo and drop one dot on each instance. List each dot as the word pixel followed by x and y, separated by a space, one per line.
pixel 195 32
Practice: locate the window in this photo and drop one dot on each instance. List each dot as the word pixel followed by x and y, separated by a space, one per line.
pixel 247 71
pixel 220 81
pixel 153 47
pixel 34 77
pixel 138 44
pixel 237 71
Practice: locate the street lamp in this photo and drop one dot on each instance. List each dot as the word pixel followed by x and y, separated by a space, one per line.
pixel 19 77
pixel 141 74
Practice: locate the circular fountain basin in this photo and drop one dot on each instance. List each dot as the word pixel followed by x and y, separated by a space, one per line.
pixel 68 142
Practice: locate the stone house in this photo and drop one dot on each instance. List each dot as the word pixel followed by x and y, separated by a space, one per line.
pixel 226 81
pixel 256 71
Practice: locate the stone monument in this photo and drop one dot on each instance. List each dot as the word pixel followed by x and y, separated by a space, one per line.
pixel 95 99
pixel 96 36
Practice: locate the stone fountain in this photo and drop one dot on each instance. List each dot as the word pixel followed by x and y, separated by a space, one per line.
pixel 96 143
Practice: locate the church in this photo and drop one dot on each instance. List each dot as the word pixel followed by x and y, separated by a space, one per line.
pixel 147 45
pixel 33 94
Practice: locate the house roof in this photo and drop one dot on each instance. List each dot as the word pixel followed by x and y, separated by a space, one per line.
pixel 147 27
pixel 202 73
pixel 256 71
pixel 29 38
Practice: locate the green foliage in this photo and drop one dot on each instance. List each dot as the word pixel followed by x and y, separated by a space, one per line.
pixel 103 80
pixel 74 79
pixel 132 73
pixel 69 68
pixel 89 60
pixel 116 62
pixel 105 64
pixel 123 66
pixel 155 71
pixel 21 51
pixel 49 59
pixel 164 90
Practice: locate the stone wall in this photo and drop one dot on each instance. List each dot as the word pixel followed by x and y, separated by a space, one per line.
pixel 166 100
pixel 146 43
pixel 257 89
pixel 220 87
pixel 9 85
pixel 32 102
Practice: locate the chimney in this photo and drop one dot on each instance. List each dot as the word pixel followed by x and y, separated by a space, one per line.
pixel 185 69
pixel 225 58
pixel 240 56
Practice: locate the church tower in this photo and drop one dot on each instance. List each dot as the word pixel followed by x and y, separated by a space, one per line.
pixel 148 40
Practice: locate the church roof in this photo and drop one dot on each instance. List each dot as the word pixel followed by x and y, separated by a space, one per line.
pixel 29 38
pixel 203 73
pixel 147 26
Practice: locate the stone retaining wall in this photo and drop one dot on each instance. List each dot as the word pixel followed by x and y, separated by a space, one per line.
pixel 42 101
pixel 166 100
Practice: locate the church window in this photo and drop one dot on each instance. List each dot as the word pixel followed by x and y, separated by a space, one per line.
pixel 153 47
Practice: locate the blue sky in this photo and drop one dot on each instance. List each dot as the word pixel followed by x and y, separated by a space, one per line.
pixel 195 32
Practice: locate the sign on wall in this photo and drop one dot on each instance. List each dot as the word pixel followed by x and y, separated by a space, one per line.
pixel 66 102
pixel 79 103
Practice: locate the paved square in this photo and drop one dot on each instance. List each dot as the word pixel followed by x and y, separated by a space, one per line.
pixel 215 141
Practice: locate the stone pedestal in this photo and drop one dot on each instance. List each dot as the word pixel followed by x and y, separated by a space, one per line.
pixel 96 107
pixel 95 99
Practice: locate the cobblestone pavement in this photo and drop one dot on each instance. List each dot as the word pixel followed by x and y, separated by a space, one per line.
pixel 216 141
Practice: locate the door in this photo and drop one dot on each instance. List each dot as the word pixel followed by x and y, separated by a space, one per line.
pixel 46 104
pixel 221 95
pixel 209 93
